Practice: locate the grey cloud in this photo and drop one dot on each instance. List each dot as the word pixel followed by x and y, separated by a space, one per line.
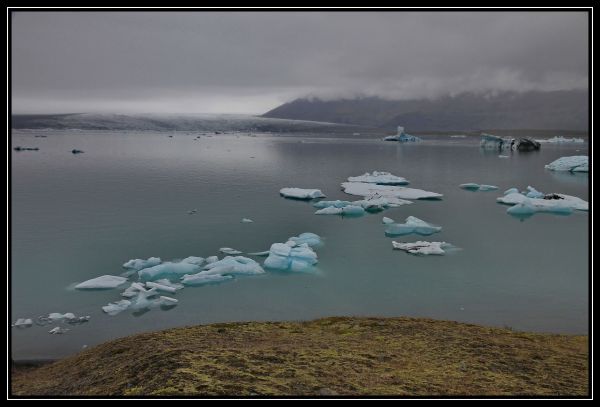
pixel 253 61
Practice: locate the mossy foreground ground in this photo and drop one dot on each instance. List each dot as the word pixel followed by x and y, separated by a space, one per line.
pixel 332 356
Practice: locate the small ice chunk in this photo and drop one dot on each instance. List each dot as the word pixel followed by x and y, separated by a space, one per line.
pixel 201 279
pixel 246 220
pixel 229 250
pixel 168 301
pixel 23 323
pixel 101 283
pixel 265 253
pixel 387 191
pixel 57 316
pixel 133 290
pixel 387 221
pixel 411 225
pixel 116 307
pixel 511 191
pixel 423 248
pixel 576 163
pixel 161 287
pixel 138 264
pixel 58 330
pixel 167 270
pixel 379 177
pixel 533 193
pixel 167 283
pixel 300 193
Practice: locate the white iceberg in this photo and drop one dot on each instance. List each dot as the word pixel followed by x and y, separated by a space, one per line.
pixel 397 193
pixel 161 287
pixel 265 253
pixel 201 279
pixel 411 225
pixel 576 163
pixel 387 221
pixel 300 193
pixel 291 257
pixel 233 265
pixel 138 264
pixel 168 283
pixel 470 186
pixel 57 316
pixel 309 238
pixel 23 322
pixel 167 301
pixel 167 270
pixel 116 307
pixel 549 203
pixel 246 220
pixel 229 250
pixel 198 261
pixel 101 283
pixel 423 248
pixel 561 140
pixel 348 210
pixel 379 177
pixel 58 330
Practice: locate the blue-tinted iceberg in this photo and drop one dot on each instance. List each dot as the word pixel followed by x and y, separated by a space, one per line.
pixel 232 266
pixel 401 136
pixel 424 248
pixel 411 225
pixel 167 270
pixel 300 193
pixel 470 186
pixel 394 194
pixel 379 177
pixel 291 257
pixel 311 239
pixel 101 283
pixel 576 163
pixel 138 264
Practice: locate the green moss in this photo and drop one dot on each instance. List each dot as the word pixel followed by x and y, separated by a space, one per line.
pixel 340 355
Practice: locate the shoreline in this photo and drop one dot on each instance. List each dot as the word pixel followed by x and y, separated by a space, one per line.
pixel 345 356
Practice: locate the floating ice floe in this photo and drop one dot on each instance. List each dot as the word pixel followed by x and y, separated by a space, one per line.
pixel 561 140
pixel 58 330
pixel 379 177
pixel 246 220
pixel 232 266
pixel 299 193
pixel 411 225
pixel 396 194
pixel 168 270
pixel 576 163
pixel 348 210
pixel 138 264
pixel 423 248
pixel 311 239
pixel 101 283
pixel 530 202
pixel 116 307
pixel 229 250
pixel 387 221
pixel 23 322
pixel 401 136
pixel 470 186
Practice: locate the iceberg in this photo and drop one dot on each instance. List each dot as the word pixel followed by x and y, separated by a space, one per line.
pixel 299 193
pixel 526 209
pixel 198 261
pixel 201 279
pixel 167 301
pixel 229 250
pixel 576 163
pixel 23 323
pixel 379 177
pixel 57 316
pixel 387 221
pixel 265 253
pixel 411 225
pixel 533 193
pixel 58 330
pixel 167 283
pixel 167 270
pixel 138 264
pixel 311 239
pixel 211 259
pixel 291 257
pixel 397 194
pixel 423 248
pixel 560 140
pixel 489 141
pixel 470 186
pixel 161 287
pixel 133 290
pixel 116 307
pixel 348 210
pixel 548 203
pixel 233 265
pixel 246 220
pixel 401 136
pixel 101 283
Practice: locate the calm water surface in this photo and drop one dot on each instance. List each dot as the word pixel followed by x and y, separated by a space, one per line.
pixel 75 217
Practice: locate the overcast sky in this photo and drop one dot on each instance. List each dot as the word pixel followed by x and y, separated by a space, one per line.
pixel 251 62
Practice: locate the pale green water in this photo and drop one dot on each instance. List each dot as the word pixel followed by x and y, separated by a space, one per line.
pixel 75 217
